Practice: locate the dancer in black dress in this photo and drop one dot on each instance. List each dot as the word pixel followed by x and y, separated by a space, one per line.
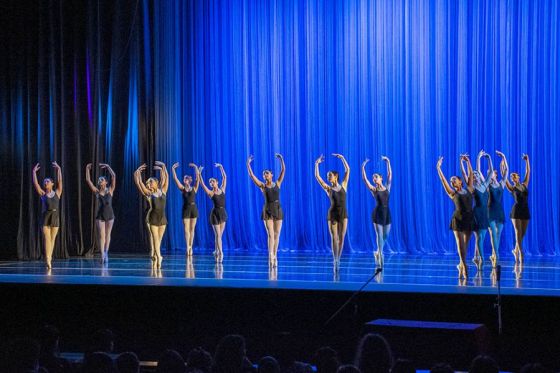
pixel 337 216
pixel 50 211
pixel 272 214
pixel 190 210
pixel 104 216
pixel 496 215
pixel 462 221
pixel 381 216
pixel 156 195
pixel 218 215
pixel 480 210
pixel 520 214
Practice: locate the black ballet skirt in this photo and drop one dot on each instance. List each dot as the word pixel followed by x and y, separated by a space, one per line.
pixel 381 214
pixel 156 213
pixel 50 216
pixel 272 209
pixel 463 217
pixel 480 210
pixel 337 211
pixel 218 215
pixel 104 207
pixel 495 205
pixel 520 209
pixel 190 210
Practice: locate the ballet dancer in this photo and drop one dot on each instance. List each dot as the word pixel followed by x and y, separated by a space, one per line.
pixel 496 215
pixel 104 216
pixel 337 216
pixel 272 214
pixel 519 214
pixel 218 215
pixel 190 210
pixel 381 216
pixel 480 210
pixel 50 209
pixel 462 220
pixel 155 193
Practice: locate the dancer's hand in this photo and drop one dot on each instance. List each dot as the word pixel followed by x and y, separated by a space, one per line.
pixel 464 156
pixel 218 165
pixel 103 165
pixel 385 158
pixel 500 154
pixel 279 156
pixel 250 159
pixel 175 165
pixel 157 168
pixel 365 162
pixel 439 162
pixel 321 159
pixel 56 166
pixel 36 167
pixel 525 157
pixel 339 156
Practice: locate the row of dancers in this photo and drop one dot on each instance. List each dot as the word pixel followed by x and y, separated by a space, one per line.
pixel 486 214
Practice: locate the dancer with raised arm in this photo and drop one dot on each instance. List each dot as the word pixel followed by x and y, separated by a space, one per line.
pixel 190 210
pixel 50 209
pixel 155 193
pixel 337 216
pixel 480 210
pixel 520 214
pixel 462 220
pixel 218 215
pixel 381 216
pixel 272 214
pixel 104 216
pixel 496 215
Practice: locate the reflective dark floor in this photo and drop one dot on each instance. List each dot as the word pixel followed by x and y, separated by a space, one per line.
pixel 401 273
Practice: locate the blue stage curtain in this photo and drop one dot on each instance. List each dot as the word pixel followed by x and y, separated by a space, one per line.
pixel 214 81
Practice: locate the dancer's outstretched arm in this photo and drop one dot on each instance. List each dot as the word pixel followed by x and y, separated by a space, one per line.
pixel 255 179
pixel 364 176
pixel 209 192
pixel 92 187
pixel 175 178
pixel 527 170
pixel 448 190
pixel 138 181
pixel 504 168
pixel 282 169
pixel 320 180
pixel 38 188
pixel 470 180
pixel 389 172
pixel 59 177
pixel 224 177
pixel 346 170
pixel 105 166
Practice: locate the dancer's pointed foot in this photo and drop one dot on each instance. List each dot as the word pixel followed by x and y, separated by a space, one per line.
pixel 493 260
pixel 515 255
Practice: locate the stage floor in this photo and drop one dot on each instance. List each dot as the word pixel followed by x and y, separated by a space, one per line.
pixel 402 273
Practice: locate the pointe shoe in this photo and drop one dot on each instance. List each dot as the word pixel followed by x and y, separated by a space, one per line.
pixel 493 260
pixel 189 252
pixel 159 260
pixel 48 265
pixel 376 256
pixel 515 255
pixel 460 270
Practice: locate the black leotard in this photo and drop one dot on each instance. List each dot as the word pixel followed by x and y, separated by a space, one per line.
pixel 381 214
pixel 218 215
pixel 337 211
pixel 190 211
pixel 272 209
pixel 462 219
pixel 520 209
pixel 156 214
pixel 104 207
pixel 495 204
pixel 50 216
pixel 480 210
